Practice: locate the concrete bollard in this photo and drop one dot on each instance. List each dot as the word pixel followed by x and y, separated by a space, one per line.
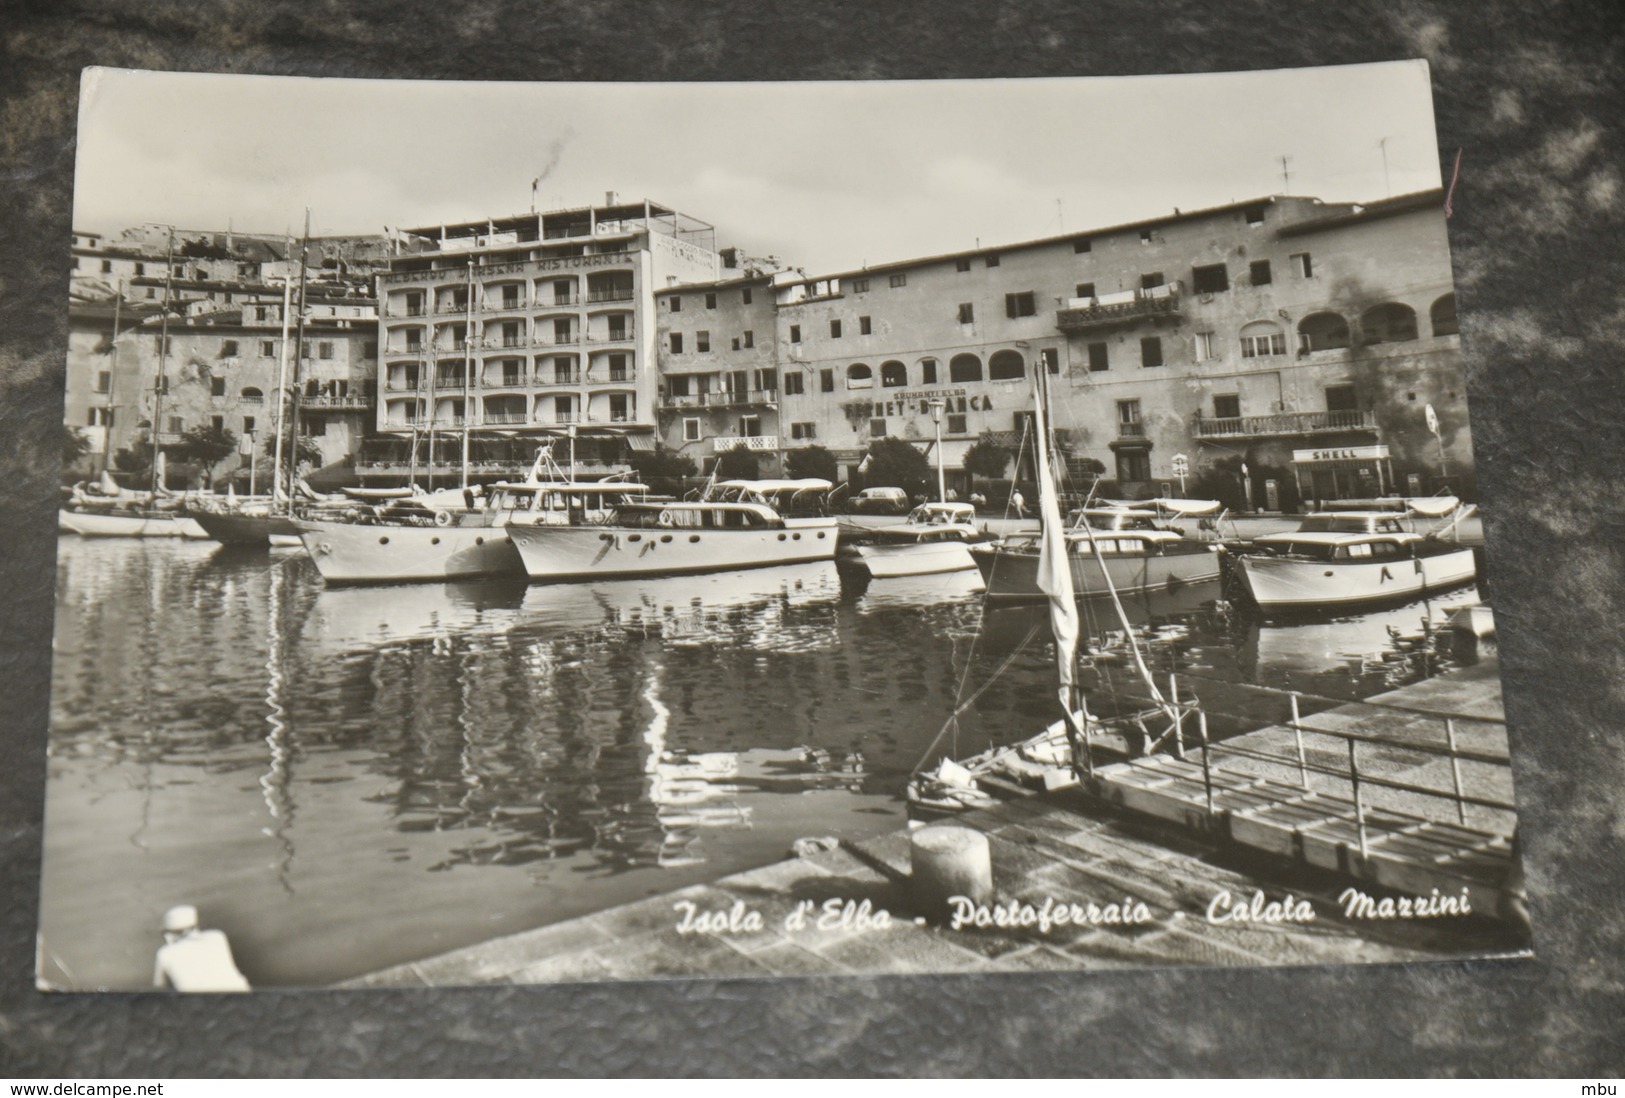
pixel 949 861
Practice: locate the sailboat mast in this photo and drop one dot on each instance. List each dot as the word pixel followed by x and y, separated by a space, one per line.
pixel 468 366
pixel 434 366
pixel 282 397
pixel 298 360
pixel 112 381
pixel 162 381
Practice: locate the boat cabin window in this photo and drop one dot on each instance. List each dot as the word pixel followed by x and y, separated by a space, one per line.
pixel 1350 524
pixel 1370 550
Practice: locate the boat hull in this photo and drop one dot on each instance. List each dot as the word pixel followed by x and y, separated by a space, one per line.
pixel 923 559
pixel 583 552
pixel 1278 583
pixel 351 553
pixel 236 528
pixel 94 524
pixel 1013 573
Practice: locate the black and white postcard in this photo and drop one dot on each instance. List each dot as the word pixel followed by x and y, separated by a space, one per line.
pixel 525 533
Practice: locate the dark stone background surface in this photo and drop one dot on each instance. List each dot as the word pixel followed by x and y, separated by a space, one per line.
pixel 1531 91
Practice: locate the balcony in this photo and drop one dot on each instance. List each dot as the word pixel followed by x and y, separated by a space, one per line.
pixel 566 301
pixel 614 335
pixel 599 297
pixel 1130 307
pixel 757 443
pixel 403 385
pixel 1283 424
pixel 1131 430
pixel 448 307
pixel 414 310
pixel 409 349
pixel 504 381
pixel 330 402
pixel 556 378
pixel 570 340
pixel 506 305
pixel 503 418
pixel 723 399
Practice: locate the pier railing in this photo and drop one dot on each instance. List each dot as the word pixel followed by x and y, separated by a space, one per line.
pixel 1353 772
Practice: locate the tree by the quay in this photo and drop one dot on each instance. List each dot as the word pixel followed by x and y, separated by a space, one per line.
pixel 893 463
pixel 206 446
pixel 74 447
pixel 987 459
pixel 738 464
pixel 662 469
pixel 811 461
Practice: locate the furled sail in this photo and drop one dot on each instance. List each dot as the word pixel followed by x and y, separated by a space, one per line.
pixel 1054 569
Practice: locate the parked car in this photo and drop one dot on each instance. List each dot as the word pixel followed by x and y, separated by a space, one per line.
pixel 880 501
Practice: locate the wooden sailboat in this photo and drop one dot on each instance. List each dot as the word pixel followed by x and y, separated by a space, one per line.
pixel 1064 753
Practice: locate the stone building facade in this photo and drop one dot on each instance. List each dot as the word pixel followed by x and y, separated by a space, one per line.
pixel 225 295
pixel 1283 347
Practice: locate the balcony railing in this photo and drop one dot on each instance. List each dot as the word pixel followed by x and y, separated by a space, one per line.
pixel 571 378
pixel 614 335
pixel 597 297
pixel 506 417
pixel 348 402
pixel 557 340
pixel 403 385
pixel 614 376
pixel 409 349
pixel 744 442
pixel 566 417
pixel 415 310
pixel 506 305
pixel 504 381
pixel 566 301
pixel 722 399
pixel 1283 424
pixel 1131 306
pixel 1130 430
pixel 452 307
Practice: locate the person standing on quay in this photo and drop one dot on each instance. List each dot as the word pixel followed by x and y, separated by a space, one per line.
pixel 195 960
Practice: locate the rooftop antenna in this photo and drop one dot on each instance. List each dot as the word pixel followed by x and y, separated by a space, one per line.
pixel 1060 216
pixel 1286 176
pixel 1388 188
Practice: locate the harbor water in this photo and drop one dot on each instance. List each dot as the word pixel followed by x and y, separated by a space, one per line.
pixel 346 779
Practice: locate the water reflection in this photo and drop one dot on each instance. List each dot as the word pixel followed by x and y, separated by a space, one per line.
pixel 348 778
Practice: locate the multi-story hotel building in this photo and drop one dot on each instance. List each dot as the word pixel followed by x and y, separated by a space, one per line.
pixel 519 329
pixel 1302 339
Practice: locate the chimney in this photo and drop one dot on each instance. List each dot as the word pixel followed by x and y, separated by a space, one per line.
pixel 612 198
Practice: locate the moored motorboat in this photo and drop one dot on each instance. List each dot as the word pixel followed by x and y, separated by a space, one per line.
pixel 1126 543
pixel 457 545
pixel 935 538
pixel 672 537
pixel 1335 560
